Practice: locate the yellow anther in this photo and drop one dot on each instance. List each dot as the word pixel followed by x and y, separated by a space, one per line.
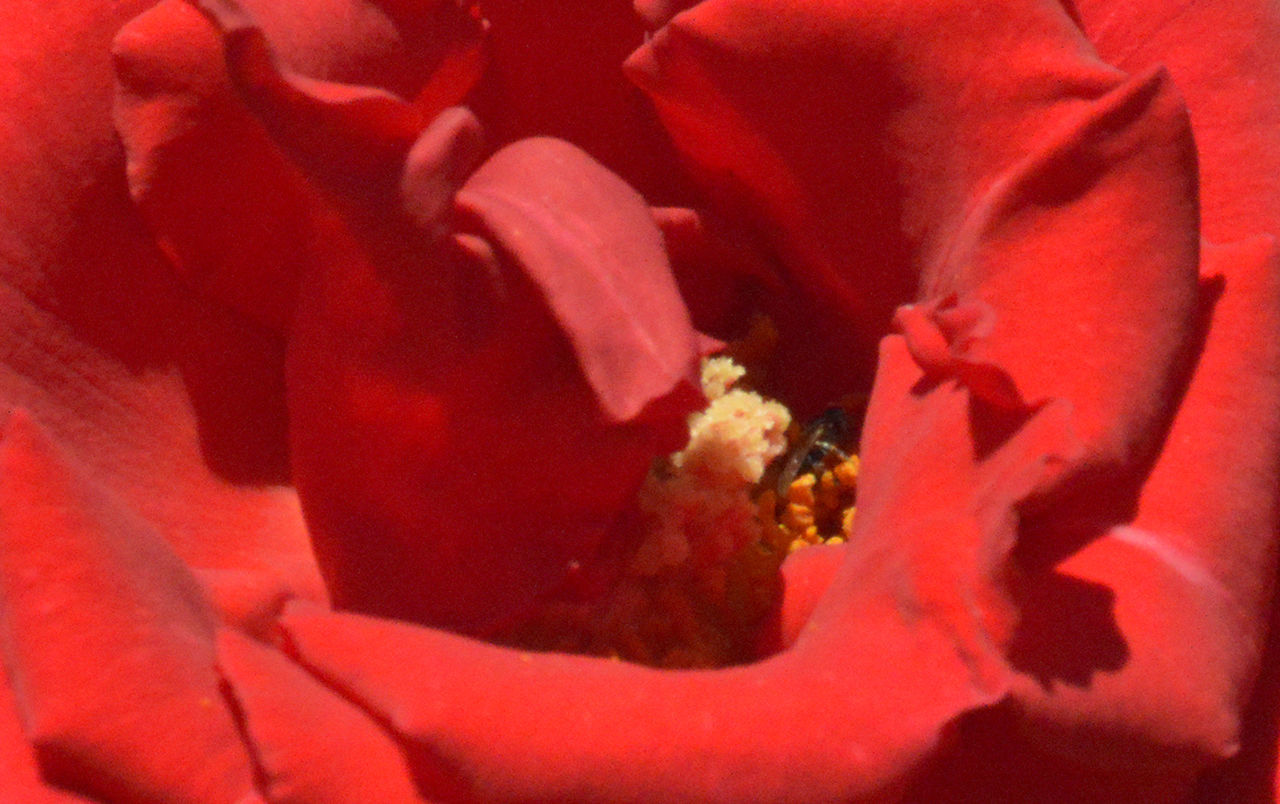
pixel 846 472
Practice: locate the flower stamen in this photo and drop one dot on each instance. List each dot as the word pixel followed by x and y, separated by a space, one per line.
pixel 715 520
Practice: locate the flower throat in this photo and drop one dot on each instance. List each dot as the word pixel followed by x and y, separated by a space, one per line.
pixel 716 520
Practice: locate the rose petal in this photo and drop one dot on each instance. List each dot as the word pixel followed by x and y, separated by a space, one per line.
pixel 1040 295
pixel 1192 573
pixel 587 242
pixel 174 403
pixel 721 271
pixel 1086 255
pixel 554 71
pixel 907 640
pixel 107 640
pixel 340 133
pixel 418 364
pixel 311 745
pixel 1225 59
pixel 857 137
pixel 18 766
pixel 246 599
pixel 226 204
pixel 990 760
pixel 193 153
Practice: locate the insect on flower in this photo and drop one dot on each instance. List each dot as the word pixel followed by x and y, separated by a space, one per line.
pixel 821 438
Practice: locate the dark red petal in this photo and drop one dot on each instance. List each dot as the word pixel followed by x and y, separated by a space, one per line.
pixel 226 206
pixel 1193 573
pixel 174 403
pixel 248 599
pixel 721 271
pixel 107 640
pixel 587 242
pixel 1075 277
pixel 659 12
pixel 554 70
pixel 438 165
pixel 312 746
pixel 857 137
pixel 467 423
pixel 990 759
pixel 1225 58
pixel 341 133
pixel 906 641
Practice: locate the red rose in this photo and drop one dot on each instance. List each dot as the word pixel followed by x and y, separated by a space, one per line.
pixel 261 263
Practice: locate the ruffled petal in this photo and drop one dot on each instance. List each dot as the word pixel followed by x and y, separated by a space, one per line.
pixel 1079 271
pixel 1192 573
pixel 227 205
pixel 312 747
pixel 107 639
pixel 586 240
pixel 193 153
pixel 471 412
pixel 908 639
pixel 171 401
pixel 858 137
pixel 1225 58
pixel 554 71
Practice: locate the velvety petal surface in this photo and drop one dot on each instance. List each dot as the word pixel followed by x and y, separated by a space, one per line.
pixel 226 203
pixel 312 746
pixel 172 402
pixel 586 240
pixel 1225 58
pixel 906 641
pixel 554 69
pixel 18 766
pixel 472 410
pixel 1068 271
pixel 107 640
pixel 857 137
pixel 1193 571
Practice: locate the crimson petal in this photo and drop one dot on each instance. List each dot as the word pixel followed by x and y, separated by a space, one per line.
pixel 588 243
pixel 1225 59
pixel 173 402
pixel 18 766
pixel 1193 571
pixel 554 71
pixel 107 639
pixel 857 137
pixel 227 205
pixel 313 747
pixel 193 151
pixel 907 640
pixel 417 362
pixel 1086 254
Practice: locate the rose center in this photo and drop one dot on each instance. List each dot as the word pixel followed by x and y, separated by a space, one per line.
pixel 701 571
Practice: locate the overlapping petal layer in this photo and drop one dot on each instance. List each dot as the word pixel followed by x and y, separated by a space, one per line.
pixel 167 399
pixel 856 136
pixel 554 69
pixel 416 359
pixel 195 146
pixel 312 746
pixel 414 382
pixel 1036 206
pixel 908 640
pixel 107 640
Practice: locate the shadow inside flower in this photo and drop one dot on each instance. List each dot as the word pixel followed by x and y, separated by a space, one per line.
pixel 1090 643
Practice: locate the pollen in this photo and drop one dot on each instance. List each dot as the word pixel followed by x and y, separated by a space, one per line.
pixel 711 532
